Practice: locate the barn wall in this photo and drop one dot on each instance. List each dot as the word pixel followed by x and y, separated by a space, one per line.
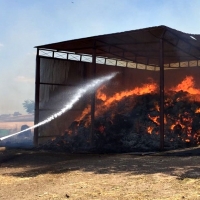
pixel 69 74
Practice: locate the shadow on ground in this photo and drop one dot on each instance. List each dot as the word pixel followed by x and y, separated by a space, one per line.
pixel 28 163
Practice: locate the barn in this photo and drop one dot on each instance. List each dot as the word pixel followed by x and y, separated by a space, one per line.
pixel 153 102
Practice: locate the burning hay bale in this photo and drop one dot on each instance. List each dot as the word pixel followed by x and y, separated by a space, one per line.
pixel 133 125
pixel 130 121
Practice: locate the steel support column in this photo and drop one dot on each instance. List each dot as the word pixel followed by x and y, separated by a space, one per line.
pixel 93 96
pixel 37 93
pixel 161 63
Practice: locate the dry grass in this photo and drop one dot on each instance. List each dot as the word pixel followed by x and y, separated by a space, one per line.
pixel 46 175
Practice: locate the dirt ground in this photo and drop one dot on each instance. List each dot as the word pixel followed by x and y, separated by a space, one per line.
pixel 31 175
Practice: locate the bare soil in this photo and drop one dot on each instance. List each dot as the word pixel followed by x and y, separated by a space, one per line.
pixel 29 174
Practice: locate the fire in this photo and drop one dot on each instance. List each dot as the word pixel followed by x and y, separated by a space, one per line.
pixel 187 85
pixel 147 88
pixel 107 101
pixel 177 123
pixel 178 117
pixel 100 95
pixel 149 129
pixel 84 113
pixel 197 110
pixel 157 107
pixel 155 119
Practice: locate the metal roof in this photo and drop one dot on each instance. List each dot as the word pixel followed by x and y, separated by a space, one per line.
pixel 140 46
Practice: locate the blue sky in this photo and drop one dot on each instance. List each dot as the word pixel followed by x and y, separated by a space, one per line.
pixel 25 24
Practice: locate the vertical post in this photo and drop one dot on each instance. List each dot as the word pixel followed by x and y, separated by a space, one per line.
pixel 93 98
pixel 37 93
pixel 161 63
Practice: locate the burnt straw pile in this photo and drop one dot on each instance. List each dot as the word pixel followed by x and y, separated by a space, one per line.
pixel 132 124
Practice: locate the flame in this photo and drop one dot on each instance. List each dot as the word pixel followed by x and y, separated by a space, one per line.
pixel 84 113
pixel 146 88
pixel 184 120
pixel 177 123
pixel 165 119
pixel 197 110
pixel 187 140
pixel 180 122
pixel 107 101
pixel 187 85
pixel 149 129
pixel 155 119
pixel 100 95
pixel 157 107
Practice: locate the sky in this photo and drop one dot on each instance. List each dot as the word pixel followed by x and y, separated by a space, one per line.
pixel 25 24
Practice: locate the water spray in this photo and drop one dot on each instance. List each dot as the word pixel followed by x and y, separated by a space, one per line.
pixel 93 84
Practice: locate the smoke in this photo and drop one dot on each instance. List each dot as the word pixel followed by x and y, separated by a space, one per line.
pixel 93 84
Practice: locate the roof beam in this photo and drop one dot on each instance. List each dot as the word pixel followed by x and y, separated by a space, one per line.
pixel 176 45
pixel 122 50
